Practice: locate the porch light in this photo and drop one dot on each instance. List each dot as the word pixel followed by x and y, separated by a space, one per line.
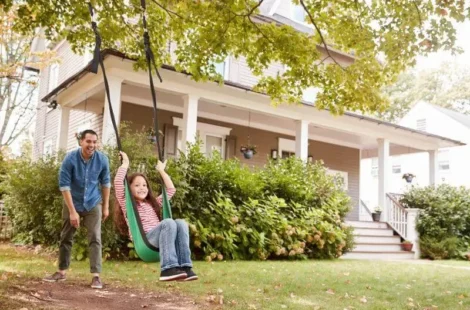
pixel 274 154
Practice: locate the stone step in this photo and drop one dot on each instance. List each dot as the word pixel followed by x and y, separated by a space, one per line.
pixel 402 255
pixel 377 239
pixel 362 224
pixel 377 247
pixel 373 231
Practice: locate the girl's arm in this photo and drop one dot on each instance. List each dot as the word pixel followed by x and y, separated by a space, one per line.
pixel 119 182
pixel 170 187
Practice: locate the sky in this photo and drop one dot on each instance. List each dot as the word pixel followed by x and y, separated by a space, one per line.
pixel 433 61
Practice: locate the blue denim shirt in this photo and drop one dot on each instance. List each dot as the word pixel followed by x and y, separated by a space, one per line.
pixel 82 178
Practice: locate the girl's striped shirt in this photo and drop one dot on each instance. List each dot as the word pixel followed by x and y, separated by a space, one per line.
pixel 147 214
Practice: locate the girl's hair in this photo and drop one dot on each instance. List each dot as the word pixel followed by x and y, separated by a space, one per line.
pixel 119 219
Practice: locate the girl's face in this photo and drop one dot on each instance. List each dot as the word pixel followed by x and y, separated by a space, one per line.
pixel 139 188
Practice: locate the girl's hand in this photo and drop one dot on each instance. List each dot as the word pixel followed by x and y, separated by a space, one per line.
pixel 161 166
pixel 125 159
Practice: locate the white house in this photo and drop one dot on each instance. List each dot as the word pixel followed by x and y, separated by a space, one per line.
pixel 453 165
pixel 224 116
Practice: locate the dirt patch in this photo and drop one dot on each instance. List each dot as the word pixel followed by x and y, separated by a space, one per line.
pixel 34 294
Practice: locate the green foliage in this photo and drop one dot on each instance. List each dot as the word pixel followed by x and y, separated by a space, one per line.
pixel 288 209
pixel 447 86
pixel 444 220
pixel 394 32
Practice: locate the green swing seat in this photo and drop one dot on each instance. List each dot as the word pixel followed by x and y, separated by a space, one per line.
pixel 145 251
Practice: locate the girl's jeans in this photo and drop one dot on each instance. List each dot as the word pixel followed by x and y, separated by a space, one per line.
pixel 172 238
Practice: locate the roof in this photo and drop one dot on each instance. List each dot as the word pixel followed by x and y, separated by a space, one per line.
pixel 111 52
pixel 459 117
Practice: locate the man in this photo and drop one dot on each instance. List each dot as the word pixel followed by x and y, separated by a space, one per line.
pixel 81 174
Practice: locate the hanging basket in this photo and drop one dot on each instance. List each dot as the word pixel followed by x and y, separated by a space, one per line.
pixel 248 154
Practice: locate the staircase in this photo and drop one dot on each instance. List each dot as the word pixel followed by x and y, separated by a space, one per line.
pixel 376 241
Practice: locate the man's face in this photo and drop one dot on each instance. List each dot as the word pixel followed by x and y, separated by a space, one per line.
pixel 88 144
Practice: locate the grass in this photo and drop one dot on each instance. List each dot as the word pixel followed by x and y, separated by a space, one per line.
pixel 341 284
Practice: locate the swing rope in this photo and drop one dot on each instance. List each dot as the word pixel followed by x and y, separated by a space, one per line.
pixel 146 251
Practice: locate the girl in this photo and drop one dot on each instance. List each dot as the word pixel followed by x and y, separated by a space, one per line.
pixel 170 236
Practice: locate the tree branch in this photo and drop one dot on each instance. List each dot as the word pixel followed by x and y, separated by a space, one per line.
pixel 170 12
pixel 320 34
pixel 419 14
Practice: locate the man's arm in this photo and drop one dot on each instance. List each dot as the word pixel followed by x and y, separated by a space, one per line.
pixel 65 181
pixel 105 181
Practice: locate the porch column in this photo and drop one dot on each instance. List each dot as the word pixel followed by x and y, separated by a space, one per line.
pixel 189 120
pixel 108 136
pixel 384 175
pixel 63 129
pixel 301 140
pixel 433 167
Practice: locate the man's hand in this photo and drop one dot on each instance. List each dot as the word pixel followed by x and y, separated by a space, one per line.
pixel 75 219
pixel 105 212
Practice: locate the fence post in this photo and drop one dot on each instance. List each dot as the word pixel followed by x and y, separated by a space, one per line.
pixel 411 232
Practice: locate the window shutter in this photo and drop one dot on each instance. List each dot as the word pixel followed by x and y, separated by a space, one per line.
pixel 230 147
pixel 170 140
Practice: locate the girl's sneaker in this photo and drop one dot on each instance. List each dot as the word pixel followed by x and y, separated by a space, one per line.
pixel 190 275
pixel 172 274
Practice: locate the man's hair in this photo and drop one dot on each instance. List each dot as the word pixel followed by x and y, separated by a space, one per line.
pixel 82 134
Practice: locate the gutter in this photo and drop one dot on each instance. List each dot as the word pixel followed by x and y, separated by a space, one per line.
pixel 112 52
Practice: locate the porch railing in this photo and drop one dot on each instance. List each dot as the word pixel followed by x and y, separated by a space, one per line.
pixel 397 216
pixel 403 220
pixel 364 212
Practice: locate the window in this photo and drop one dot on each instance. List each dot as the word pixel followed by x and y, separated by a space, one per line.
pixel 396 169
pixel 443 160
pixel 213 137
pixel 444 165
pixel 47 148
pixel 421 124
pixel 375 167
pixel 298 13
pixel 53 76
pixel 222 68
pixel 286 154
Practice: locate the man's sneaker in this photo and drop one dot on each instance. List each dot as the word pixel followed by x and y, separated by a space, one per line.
pixel 96 283
pixel 172 274
pixel 56 277
pixel 190 275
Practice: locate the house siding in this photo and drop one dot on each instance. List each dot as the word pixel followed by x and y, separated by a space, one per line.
pixel 48 120
pixel 334 156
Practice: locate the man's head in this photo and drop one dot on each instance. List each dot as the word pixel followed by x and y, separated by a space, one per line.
pixel 88 142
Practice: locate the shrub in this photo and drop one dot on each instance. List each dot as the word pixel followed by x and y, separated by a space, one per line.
pixel 444 220
pixel 287 210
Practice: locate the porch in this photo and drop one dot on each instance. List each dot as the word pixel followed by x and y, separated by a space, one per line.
pixel 225 117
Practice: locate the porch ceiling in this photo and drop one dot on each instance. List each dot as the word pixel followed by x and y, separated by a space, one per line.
pixel 231 103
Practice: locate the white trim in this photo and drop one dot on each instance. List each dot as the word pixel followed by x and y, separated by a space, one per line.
pixel 218 130
pixel 274 7
pixel 53 78
pixel 267 127
pixel 59 45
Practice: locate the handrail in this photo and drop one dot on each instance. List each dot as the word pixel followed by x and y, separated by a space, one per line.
pixel 397 216
pixel 363 204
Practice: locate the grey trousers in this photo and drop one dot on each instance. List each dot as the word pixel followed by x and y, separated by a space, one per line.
pixel 92 222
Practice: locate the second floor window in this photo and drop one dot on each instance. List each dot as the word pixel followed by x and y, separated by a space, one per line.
pixel 298 13
pixel 222 68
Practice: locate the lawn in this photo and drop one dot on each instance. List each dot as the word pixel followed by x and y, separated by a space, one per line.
pixel 341 284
